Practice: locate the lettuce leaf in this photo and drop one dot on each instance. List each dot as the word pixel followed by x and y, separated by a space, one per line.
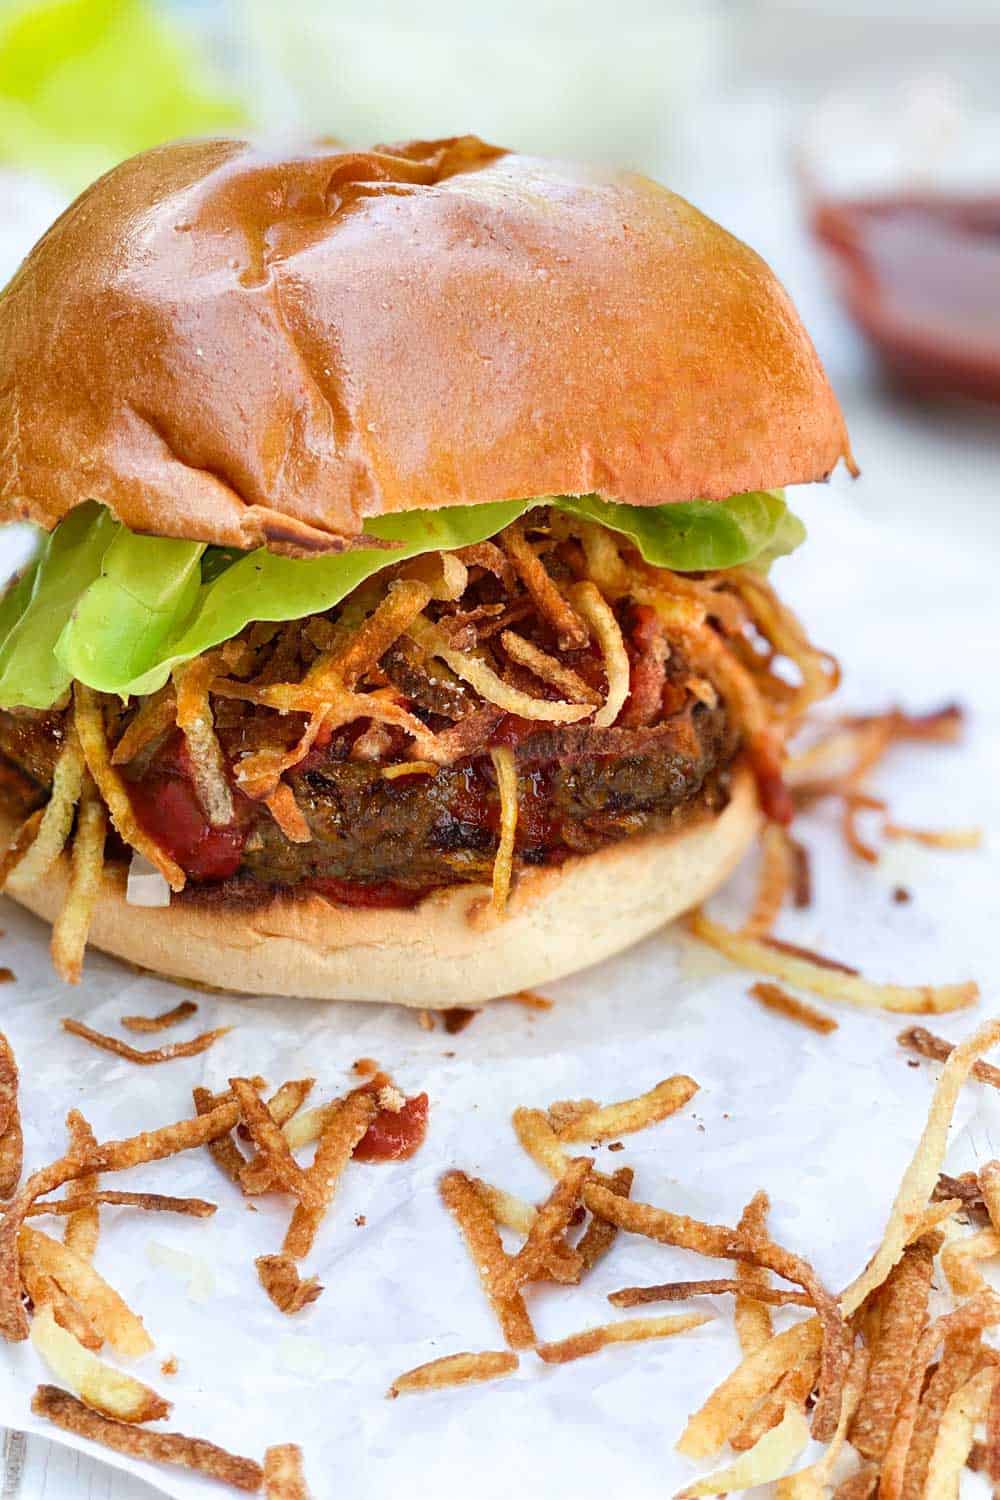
pixel 695 536
pixel 69 562
pixel 119 611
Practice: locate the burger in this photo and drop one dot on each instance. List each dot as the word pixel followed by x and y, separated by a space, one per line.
pixel 400 624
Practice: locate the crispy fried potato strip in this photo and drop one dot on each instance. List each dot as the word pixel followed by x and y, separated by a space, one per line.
pixel 919 1039
pixel 936 838
pixel 98 1385
pixel 534 1260
pixel 732 1401
pixel 505 770
pixel 549 669
pixel 765 957
pixel 774 998
pixel 343 1129
pixel 959 1258
pixel 194 719
pixel 474 1219
pixel 989 1186
pixel 750 1314
pixel 456 1369
pixel 552 605
pixel 630 1330
pixel 83 1226
pixel 110 1156
pixel 283 1476
pixel 288 815
pixel 507 1209
pixel 811 1483
pixel 681 1291
pixel 599 1235
pixel 903 1304
pixel 193 1048
pixel 194 1208
pixel 761 1464
pixel 88 717
pixel 71 1415
pixel 795 1386
pixel 11 1135
pixel 967 1406
pixel 612 1120
pixel 109 1312
pixel 601 618
pixel 921 1174
pixel 173 1017
pixel 491 688
pixel 270 1142
pixel 72 925
pixel 774 881
pixel 155 715
pixel 57 817
pixel 44 1292
pixel 224 1151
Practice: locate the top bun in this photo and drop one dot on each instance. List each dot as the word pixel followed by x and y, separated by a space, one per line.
pixel 246 347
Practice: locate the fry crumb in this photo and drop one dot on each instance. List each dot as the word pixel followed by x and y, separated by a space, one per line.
pixel 280 1279
pixel 774 998
pixel 616 1146
pixel 457 1018
pixel 360 1220
pixel 169 1366
pixel 532 1001
pixel 901 894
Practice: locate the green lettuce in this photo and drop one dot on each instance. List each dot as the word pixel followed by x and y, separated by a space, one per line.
pixel 119 611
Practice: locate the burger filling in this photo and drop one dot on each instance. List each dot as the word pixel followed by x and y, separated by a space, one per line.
pixel 434 715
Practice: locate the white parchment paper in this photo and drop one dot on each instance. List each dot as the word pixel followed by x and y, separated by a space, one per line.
pixel 825 1124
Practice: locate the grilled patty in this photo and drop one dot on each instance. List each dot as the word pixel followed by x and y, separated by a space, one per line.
pixel 443 829
pixel 580 789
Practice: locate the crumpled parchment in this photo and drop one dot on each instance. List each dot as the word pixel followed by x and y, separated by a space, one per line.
pixel 825 1123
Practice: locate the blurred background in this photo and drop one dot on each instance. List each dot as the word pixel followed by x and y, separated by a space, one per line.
pixel 857 146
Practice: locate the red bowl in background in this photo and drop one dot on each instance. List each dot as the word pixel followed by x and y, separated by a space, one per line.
pixel 901 178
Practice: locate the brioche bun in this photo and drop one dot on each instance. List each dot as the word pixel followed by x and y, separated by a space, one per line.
pixel 450 950
pixel 245 348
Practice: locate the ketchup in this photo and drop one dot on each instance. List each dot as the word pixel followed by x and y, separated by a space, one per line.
pixel 377 894
pixel 921 278
pixel 394 1136
pixel 166 805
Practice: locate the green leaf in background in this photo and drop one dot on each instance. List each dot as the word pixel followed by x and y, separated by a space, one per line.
pixel 85 83
pixel 119 611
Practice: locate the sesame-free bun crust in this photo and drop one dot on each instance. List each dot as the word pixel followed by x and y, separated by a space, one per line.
pixel 243 347
pixel 449 950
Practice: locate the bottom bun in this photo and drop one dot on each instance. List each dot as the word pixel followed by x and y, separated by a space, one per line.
pixel 450 950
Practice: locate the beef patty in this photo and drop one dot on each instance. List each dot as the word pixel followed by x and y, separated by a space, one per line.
pixel 579 789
